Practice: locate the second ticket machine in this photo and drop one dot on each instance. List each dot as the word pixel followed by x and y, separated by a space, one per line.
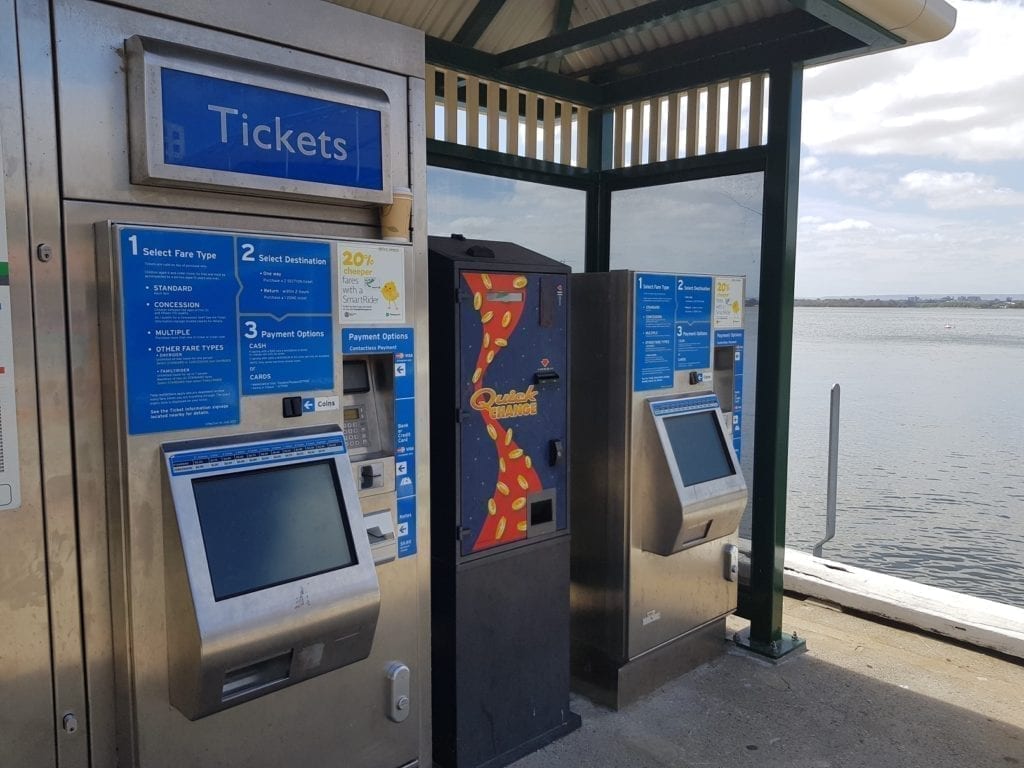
pixel 657 488
pixel 499 369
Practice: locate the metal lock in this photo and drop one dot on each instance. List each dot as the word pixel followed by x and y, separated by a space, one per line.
pixel 732 562
pixel 399 703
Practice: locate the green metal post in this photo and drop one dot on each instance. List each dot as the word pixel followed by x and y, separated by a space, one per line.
pixel 599 200
pixel 774 364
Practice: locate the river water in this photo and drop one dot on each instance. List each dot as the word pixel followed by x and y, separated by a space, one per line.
pixel 931 451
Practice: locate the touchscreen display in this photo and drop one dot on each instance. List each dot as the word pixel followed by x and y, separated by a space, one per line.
pixel 698 447
pixel 271 526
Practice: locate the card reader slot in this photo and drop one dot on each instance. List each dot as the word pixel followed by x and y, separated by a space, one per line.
pixel 238 682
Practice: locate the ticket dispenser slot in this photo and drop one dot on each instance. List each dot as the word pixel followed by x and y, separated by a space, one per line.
pixel 269 581
pixel 698 488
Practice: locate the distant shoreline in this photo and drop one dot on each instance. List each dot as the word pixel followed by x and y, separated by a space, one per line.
pixel 913 303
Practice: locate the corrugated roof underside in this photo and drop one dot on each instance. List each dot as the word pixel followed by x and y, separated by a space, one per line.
pixel 525 21
pixel 690 27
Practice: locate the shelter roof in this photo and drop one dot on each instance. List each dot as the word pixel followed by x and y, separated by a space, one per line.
pixel 601 52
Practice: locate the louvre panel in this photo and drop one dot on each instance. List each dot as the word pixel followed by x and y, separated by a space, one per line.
pixel 458 115
pixel 699 115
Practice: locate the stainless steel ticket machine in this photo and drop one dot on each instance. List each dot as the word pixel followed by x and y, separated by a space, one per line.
pixel 233 358
pixel 657 486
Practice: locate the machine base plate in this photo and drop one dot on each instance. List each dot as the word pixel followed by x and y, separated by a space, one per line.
pixel 776 650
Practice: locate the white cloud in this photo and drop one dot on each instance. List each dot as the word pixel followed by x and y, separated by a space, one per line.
pixel 959 97
pixel 861 182
pixel 845 225
pixel 906 253
pixel 945 191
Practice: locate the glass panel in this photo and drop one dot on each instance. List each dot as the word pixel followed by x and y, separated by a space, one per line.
pixel 707 226
pixel 546 219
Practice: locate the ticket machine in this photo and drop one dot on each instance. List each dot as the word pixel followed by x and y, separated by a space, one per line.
pixel 239 351
pixel 657 487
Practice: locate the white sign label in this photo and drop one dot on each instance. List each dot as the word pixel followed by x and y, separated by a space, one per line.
pixel 372 283
pixel 728 302
pixel 327 403
pixel 10 467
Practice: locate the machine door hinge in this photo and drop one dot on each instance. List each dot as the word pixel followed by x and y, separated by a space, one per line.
pixel 462 532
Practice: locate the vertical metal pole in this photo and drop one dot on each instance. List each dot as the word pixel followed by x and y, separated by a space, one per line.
pixel 599 201
pixel 833 470
pixel 775 354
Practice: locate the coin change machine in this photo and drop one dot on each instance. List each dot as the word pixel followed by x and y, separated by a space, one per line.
pixel 499 374
pixel 657 488
pixel 258 347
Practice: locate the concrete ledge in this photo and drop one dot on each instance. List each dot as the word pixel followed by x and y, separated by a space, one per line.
pixel 984 623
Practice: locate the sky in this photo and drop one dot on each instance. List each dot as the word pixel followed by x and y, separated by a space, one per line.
pixel 912 165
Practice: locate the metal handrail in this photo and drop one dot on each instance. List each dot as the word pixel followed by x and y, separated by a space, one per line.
pixel 833 471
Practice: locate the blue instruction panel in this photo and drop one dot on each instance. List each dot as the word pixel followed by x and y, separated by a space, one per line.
pixel 281 277
pixel 181 338
pixel 284 315
pixel 672 327
pixel 289 355
pixel 734 338
pixel 693 322
pixel 209 317
pixel 399 343
pixel 654 341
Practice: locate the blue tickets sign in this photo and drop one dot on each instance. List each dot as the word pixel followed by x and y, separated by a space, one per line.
pixel 221 125
pixel 399 343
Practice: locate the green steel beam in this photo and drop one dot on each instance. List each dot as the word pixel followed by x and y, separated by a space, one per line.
pixel 597 252
pixel 728 64
pixel 774 356
pixel 477 22
pixel 473 62
pixel 852 23
pixel 563 15
pixel 603 30
pixel 457 157
pixel 727 163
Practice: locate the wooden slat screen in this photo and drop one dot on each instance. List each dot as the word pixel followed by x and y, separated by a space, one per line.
pixel 701 120
pixel 473 112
